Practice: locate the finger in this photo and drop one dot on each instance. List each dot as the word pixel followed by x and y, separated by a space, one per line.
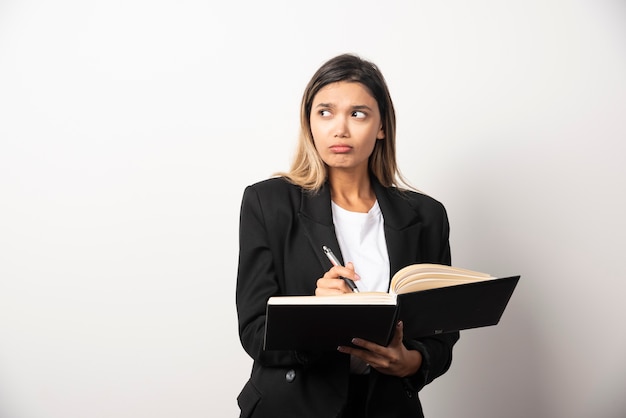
pixel 366 356
pixel 330 283
pixel 330 286
pixel 334 279
pixel 396 340
pixel 347 271
pixel 324 290
pixel 328 292
pixel 377 361
pixel 370 346
pixel 352 273
pixel 339 271
pixel 398 335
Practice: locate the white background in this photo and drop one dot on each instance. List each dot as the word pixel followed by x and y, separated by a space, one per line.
pixel 128 130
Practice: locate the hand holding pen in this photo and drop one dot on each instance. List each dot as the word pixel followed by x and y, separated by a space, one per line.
pixel 335 262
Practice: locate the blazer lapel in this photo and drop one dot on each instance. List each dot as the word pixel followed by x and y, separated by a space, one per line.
pixel 401 226
pixel 317 219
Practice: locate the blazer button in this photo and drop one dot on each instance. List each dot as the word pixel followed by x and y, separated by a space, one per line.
pixel 290 376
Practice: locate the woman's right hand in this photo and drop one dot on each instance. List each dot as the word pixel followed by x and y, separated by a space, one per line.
pixel 332 284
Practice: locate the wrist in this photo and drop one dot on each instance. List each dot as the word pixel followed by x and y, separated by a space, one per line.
pixel 413 364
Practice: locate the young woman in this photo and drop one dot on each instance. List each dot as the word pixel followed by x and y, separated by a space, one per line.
pixel 343 191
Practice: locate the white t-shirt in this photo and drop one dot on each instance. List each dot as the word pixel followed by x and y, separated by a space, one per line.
pixel 361 237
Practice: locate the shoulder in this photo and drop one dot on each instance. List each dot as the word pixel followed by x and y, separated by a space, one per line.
pixel 272 194
pixel 275 185
pixel 417 201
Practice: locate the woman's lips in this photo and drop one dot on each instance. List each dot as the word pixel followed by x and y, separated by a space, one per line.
pixel 340 149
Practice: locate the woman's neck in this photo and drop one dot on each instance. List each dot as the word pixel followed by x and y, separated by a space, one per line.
pixel 353 193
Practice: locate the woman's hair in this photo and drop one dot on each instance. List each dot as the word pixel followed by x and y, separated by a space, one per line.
pixel 308 170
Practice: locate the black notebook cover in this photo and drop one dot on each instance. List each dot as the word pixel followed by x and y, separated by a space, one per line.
pixel 325 327
pixel 424 313
pixel 455 308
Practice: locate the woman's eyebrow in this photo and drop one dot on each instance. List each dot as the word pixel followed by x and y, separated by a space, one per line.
pixel 361 107
pixel 353 107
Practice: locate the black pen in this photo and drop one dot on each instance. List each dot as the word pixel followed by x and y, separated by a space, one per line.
pixel 335 262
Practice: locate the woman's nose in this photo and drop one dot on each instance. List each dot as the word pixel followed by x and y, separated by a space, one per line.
pixel 341 128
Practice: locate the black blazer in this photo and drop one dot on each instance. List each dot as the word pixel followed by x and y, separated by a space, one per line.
pixel 282 231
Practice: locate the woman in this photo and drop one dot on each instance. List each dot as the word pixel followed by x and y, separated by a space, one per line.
pixel 341 191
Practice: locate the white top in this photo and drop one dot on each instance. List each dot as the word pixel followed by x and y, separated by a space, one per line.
pixel 361 237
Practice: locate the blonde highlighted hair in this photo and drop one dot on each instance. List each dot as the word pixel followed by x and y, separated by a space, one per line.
pixel 307 169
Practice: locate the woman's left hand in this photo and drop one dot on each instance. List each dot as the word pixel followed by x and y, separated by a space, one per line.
pixel 395 359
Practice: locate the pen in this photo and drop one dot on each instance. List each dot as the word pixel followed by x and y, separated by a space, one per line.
pixel 335 262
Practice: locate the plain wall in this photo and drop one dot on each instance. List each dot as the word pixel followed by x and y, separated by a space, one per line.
pixel 129 129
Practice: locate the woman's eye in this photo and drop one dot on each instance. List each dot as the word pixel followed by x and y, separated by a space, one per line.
pixel 358 114
pixel 324 113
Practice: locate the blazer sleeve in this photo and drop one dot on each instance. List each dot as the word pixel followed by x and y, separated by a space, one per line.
pixel 257 281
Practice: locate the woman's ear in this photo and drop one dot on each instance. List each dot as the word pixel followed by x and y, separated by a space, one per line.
pixel 381 133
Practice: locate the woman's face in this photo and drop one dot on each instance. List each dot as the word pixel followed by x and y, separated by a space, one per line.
pixel 345 123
